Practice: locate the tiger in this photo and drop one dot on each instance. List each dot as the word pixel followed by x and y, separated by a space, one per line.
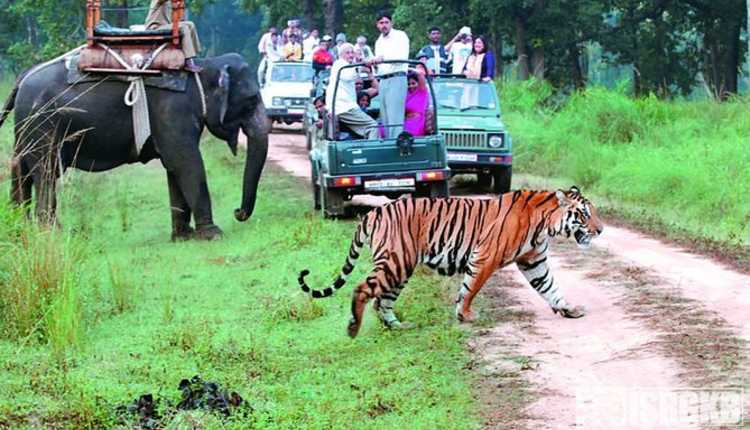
pixel 469 236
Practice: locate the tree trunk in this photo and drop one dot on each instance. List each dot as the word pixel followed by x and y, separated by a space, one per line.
pixel 537 52
pixel 497 49
pixel 732 63
pixel 521 51
pixel 309 11
pixel 576 73
pixel 537 62
pixel 637 88
pixel 334 10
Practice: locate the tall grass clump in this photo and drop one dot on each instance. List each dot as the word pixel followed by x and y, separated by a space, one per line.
pixel 123 289
pixel 40 274
pixel 684 163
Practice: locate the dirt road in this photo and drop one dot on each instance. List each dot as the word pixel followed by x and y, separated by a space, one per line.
pixel 664 343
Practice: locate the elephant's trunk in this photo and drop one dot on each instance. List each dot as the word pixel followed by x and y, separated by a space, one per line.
pixel 257 149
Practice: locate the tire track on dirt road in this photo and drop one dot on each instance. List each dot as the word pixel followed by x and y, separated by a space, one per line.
pixel 656 314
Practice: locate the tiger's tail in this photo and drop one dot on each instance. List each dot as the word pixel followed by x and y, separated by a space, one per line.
pixel 360 235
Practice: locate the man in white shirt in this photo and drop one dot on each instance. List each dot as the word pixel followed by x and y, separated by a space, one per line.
pixel 391 45
pixel 264 40
pixel 311 42
pixel 273 48
pixel 345 105
pixel 459 49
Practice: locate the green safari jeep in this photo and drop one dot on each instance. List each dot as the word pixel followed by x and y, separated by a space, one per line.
pixel 475 137
pixel 344 165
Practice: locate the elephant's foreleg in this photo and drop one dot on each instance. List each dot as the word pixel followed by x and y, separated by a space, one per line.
pixel 189 176
pixel 180 210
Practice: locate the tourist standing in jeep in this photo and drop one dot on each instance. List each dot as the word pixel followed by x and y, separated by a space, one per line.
pixel 391 45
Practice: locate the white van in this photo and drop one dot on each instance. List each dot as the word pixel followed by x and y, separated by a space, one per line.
pixel 285 87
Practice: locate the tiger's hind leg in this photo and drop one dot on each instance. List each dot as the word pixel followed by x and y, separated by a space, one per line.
pixel 537 272
pixel 384 308
pixel 377 284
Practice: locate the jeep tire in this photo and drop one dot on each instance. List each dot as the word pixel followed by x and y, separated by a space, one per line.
pixel 501 179
pixel 332 203
pixel 432 189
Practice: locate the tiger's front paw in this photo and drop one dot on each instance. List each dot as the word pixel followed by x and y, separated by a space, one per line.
pixel 574 312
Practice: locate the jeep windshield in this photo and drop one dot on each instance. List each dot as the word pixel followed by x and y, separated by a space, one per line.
pixel 292 73
pixel 464 95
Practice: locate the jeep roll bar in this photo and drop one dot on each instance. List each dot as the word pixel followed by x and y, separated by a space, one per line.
pixel 409 62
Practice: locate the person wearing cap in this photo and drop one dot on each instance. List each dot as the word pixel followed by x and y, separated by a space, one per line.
pixel 362 45
pixel 322 57
pixel 435 53
pixel 459 49
pixel 391 45
pixel 345 106
pixel 340 40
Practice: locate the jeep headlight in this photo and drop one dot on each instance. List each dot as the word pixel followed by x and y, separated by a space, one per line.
pixel 495 141
pixel 276 101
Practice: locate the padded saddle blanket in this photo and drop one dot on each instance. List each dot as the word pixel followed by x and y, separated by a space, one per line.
pixel 103 28
pixel 169 80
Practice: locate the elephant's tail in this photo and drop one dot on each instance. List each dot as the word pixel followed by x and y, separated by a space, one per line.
pixel 359 239
pixel 10 102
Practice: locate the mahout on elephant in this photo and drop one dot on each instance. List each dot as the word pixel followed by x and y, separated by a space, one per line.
pixel 88 126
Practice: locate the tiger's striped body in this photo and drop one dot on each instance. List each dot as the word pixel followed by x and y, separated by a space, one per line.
pixel 473 237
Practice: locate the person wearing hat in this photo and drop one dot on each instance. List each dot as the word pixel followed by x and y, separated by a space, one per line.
pixel 362 45
pixel 322 57
pixel 437 55
pixel 391 45
pixel 459 49
pixel 340 40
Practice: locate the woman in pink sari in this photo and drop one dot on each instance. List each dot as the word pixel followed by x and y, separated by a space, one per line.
pixel 417 103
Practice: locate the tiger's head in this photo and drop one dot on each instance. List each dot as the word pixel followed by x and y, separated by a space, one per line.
pixel 580 218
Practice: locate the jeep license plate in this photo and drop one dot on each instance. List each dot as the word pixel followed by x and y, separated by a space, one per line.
pixel 461 156
pixel 385 184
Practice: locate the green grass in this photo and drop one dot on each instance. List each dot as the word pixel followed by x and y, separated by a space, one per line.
pixel 149 313
pixel 683 164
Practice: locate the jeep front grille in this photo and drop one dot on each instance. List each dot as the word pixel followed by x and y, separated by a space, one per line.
pixel 295 101
pixel 465 139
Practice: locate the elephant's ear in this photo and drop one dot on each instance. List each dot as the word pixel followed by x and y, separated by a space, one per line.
pixel 223 86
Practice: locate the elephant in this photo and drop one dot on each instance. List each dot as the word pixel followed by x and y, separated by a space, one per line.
pixel 87 126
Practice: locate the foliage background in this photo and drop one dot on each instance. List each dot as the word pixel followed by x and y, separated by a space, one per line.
pixel 668 47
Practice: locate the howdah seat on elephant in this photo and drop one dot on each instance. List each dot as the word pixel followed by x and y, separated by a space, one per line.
pixel 147 52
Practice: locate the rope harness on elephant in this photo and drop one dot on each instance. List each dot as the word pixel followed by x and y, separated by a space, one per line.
pixel 135 95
